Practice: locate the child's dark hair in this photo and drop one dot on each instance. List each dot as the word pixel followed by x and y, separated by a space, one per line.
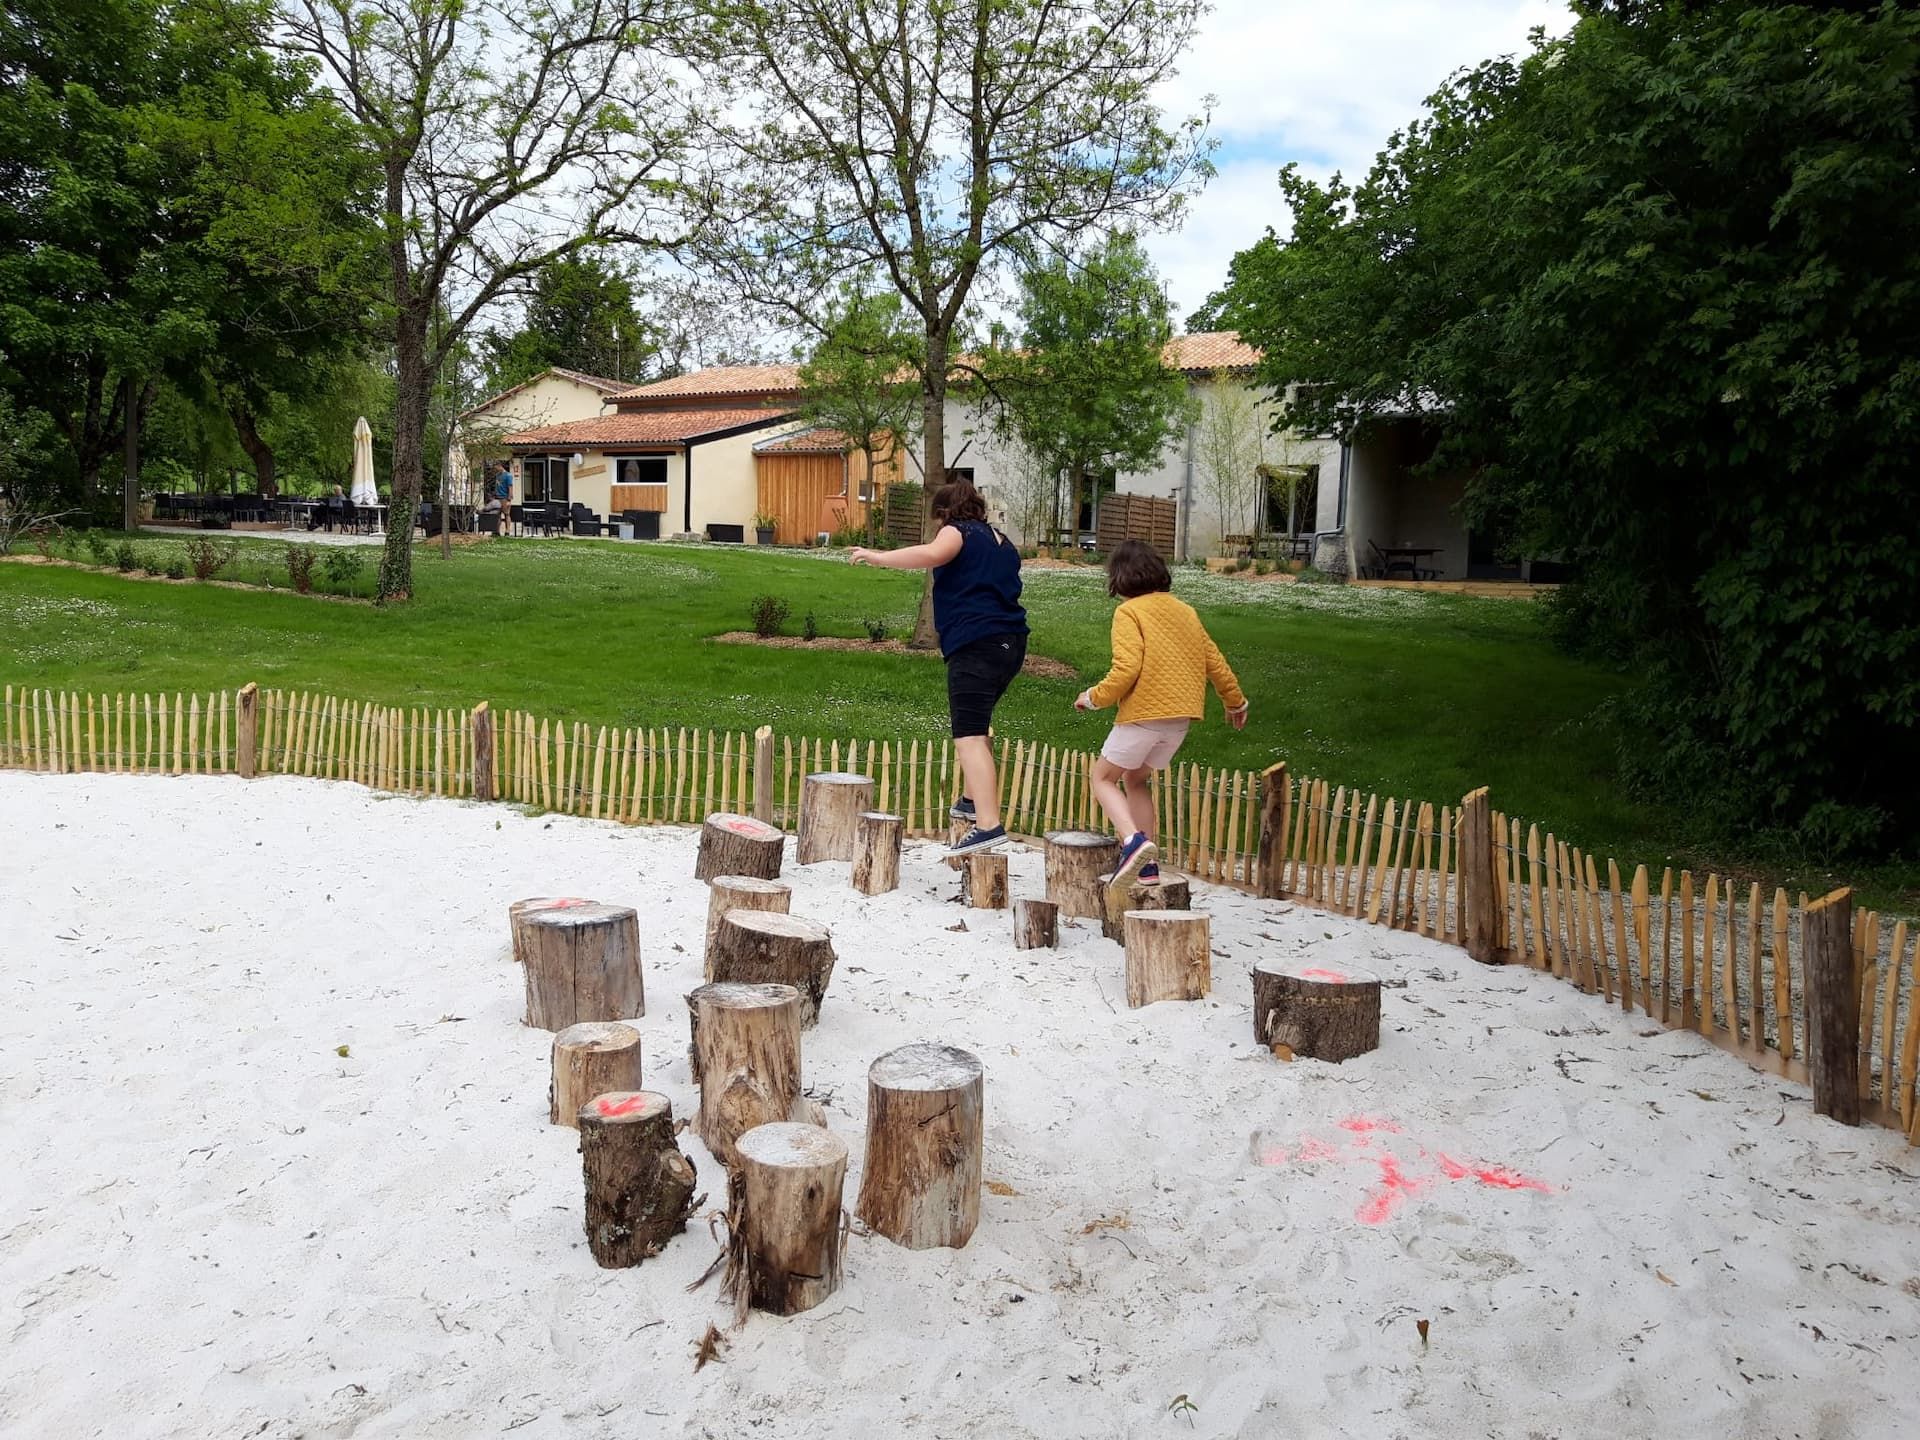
pixel 1135 568
pixel 958 500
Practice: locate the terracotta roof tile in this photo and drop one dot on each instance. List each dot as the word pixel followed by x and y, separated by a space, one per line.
pixel 646 427
pixel 721 380
pixel 1210 350
pixel 821 440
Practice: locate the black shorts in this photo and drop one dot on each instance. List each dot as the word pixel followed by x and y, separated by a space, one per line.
pixel 978 674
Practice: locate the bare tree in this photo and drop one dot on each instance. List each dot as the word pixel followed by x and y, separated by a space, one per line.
pixel 508 134
pixel 1230 443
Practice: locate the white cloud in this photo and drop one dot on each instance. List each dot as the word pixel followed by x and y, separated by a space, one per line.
pixel 1321 82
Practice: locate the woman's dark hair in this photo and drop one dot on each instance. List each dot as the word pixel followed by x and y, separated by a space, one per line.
pixel 958 500
pixel 1135 568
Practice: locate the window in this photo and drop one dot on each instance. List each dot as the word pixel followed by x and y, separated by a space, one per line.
pixel 543 478
pixel 643 470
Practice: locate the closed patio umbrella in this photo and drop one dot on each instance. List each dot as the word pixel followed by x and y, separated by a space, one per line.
pixel 363 492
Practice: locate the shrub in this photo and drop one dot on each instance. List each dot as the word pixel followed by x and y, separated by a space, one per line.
pixel 209 557
pixel 98 550
pixel 343 566
pixel 809 628
pixel 1263 567
pixel 769 614
pixel 124 558
pixel 300 560
pixel 876 630
pixel 176 568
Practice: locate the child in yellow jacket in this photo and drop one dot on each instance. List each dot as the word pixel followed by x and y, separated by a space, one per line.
pixel 1163 661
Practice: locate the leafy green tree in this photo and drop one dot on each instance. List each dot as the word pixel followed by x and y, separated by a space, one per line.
pixel 1086 391
pixel 1659 282
pixel 862 378
pixel 583 314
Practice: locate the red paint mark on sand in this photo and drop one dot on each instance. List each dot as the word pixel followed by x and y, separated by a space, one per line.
pixel 1273 1155
pixel 1312 1149
pixel 612 1108
pixel 1396 1187
pixel 1497 1176
pixel 1399 1179
pixel 1370 1125
pixel 1336 977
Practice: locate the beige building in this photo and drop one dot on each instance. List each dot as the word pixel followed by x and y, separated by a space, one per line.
pixel 552 397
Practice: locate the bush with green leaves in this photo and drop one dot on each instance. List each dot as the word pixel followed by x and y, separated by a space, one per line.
pixel 125 560
pixel 768 613
pixel 343 566
pixel 809 628
pixel 300 562
pixel 176 568
pixel 98 550
pixel 208 557
pixel 876 630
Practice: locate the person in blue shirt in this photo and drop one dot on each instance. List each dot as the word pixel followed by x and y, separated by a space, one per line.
pixel 983 638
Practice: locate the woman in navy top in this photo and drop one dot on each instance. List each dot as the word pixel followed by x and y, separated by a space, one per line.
pixel 983 638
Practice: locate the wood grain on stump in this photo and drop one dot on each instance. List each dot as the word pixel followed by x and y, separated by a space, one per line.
pixel 740 892
pixel 830 807
pixel 525 907
pixel 1076 859
pixel 1036 925
pixel 582 962
pixel 876 852
pixel 589 1060
pixel 921 1183
pixel 739 845
pixel 784 1218
pixel 639 1184
pixel 745 1059
pixel 1320 1011
pixel 1172 893
pixel 983 881
pixel 763 948
pixel 1168 956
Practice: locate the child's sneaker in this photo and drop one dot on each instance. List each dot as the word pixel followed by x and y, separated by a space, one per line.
pixel 1149 874
pixel 1135 856
pixel 962 809
pixel 976 840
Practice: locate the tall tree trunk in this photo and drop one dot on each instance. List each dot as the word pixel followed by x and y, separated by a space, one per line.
pixel 410 385
pixel 265 467
pixel 130 482
pixel 933 468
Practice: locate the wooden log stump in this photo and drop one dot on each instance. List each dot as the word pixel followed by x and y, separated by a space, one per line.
pixel 745 1058
pixel 762 948
pixel 582 963
pixel 830 807
pixel 588 1060
pixel 739 845
pixel 1076 859
pixel 983 881
pixel 957 830
pixel 520 908
pixel 1168 956
pixel 876 852
pixel 921 1183
pixel 1036 925
pixel 784 1218
pixel 740 892
pixel 1326 1011
pixel 1172 893
pixel 639 1184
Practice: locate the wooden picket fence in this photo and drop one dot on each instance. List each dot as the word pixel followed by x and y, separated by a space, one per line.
pixel 1686 952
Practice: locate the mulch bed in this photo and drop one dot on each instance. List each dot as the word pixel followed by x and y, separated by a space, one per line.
pixel 1041 667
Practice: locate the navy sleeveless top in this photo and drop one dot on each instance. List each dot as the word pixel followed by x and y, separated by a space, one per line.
pixel 976 595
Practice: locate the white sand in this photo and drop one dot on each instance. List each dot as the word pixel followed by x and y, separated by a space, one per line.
pixel 211 1224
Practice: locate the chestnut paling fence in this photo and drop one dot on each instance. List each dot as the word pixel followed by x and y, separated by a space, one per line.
pixel 1701 953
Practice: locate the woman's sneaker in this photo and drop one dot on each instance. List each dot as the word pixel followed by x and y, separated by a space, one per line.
pixel 977 840
pixel 962 809
pixel 1135 856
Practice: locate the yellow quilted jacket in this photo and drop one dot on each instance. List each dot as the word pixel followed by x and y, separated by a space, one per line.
pixel 1163 660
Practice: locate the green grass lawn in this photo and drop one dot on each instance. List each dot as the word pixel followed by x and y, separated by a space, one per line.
pixel 1409 694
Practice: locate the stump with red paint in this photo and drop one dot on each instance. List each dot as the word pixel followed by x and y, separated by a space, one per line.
pixel 639 1184
pixel 1318 1010
pixel 519 909
pixel 739 845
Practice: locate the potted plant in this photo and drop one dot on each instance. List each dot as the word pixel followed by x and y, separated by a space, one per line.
pixel 763 527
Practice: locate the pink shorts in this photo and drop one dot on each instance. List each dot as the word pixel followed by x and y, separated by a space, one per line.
pixel 1148 745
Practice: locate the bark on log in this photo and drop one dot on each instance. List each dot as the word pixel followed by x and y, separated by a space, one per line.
pixel 1479 924
pixel 784 1219
pixel 639 1184
pixel 520 908
pixel 1036 925
pixel 760 948
pixel 921 1182
pixel 1833 1006
pixel 745 1059
pixel 739 845
pixel 247 730
pixel 582 963
pixel 983 881
pixel 1168 956
pixel 588 1060
pixel 1317 1011
pixel 1172 893
pixel 740 892
pixel 830 807
pixel 876 852
pixel 1076 859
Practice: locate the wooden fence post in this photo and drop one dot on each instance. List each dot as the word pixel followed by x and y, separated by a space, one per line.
pixel 1833 1006
pixel 247 722
pixel 763 774
pixel 1478 923
pixel 1275 801
pixel 482 752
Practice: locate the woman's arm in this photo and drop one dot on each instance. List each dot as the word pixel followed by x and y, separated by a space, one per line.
pixel 936 552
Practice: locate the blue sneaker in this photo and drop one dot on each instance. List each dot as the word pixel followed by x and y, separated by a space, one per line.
pixel 1135 856
pixel 962 809
pixel 1149 874
pixel 976 841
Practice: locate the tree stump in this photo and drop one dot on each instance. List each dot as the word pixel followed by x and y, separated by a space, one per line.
pixel 639 1184
pixel 1076 859
pixel 921 1184
pixel 1172 893
pixel 745 1058
pixel 589 1060
pixel 1036 925
pixel 830 808
pixel 784 1218
pixel 762 948
pixel 521 908
pixel 1321 1012
pixel 582 963
pixel 983 881
pixel 957 830
pixel 739 845
pixel 1167 956
pixel 876 852
pixel 740 892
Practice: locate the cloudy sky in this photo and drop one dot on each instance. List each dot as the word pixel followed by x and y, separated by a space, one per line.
pixel 1320 82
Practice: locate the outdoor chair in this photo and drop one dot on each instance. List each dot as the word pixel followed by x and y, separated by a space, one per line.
pixel 1384 568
